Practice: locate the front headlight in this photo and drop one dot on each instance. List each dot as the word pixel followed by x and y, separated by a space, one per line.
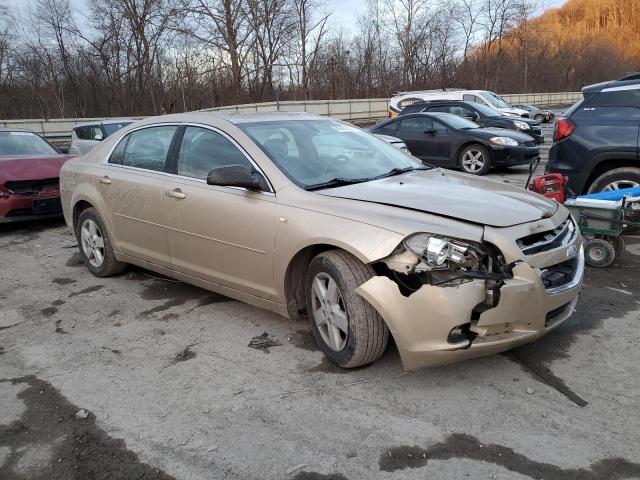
pixel 522 125
pixel 436 251
pixel 506 141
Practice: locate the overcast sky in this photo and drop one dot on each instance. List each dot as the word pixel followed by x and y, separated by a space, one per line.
pixel 345 12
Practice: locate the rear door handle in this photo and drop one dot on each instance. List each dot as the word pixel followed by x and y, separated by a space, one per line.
pixel 106 180
pixel 175 193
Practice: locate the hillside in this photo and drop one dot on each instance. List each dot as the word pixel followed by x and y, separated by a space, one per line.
pixel 582 42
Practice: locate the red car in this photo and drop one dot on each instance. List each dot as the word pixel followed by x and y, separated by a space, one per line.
pixel 29 176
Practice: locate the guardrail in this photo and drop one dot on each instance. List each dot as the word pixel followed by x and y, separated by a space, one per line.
pixel 351 109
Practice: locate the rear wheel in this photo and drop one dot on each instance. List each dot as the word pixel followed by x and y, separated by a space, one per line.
pixel 95 245
pixel 616 179
pixel 474 159
pixel 347 329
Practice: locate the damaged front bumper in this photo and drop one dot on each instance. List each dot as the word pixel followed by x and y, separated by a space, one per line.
pixel 421 323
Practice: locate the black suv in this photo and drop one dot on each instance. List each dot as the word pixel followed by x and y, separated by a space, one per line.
pixel 595 142
pixel 481 114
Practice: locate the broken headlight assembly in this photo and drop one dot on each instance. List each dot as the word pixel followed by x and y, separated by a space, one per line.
pixel 436 253
pixel 438 260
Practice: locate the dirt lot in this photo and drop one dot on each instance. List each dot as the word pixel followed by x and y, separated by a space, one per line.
pixel 140 377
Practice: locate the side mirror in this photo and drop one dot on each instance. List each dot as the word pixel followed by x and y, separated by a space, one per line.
pixel 236 176
pixel 431 131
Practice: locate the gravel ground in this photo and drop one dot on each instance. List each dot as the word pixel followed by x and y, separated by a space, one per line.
pixel 141 377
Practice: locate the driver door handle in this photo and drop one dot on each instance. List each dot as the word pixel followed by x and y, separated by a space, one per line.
pixel 106 180
pixel 175 193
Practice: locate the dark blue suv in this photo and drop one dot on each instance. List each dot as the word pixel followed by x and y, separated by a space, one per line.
pixel 595 143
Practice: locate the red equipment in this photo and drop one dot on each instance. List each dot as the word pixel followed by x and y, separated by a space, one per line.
pixel 550 186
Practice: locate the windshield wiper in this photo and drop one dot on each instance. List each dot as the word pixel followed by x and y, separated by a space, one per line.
pixel 335 182
pixel 399 171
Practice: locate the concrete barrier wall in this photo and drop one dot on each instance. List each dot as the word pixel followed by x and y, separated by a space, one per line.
pixel 352 109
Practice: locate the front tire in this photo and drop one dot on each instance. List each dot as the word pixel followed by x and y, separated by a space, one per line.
pixel 348 330
pixel 95 245
pixel 474 159
pixel 540 118
pixel 616 179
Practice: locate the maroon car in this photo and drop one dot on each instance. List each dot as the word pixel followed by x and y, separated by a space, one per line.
pixel 29 176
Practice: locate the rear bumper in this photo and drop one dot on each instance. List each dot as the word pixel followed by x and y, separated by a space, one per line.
pixel 572 169
pixel 17 208
pixel 421 323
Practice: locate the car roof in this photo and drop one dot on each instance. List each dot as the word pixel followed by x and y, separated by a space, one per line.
pixel 431 102
pixel 632 84
pixel 234 118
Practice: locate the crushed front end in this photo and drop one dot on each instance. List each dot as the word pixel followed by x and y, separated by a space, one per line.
pixel 29 200
pixel 446 300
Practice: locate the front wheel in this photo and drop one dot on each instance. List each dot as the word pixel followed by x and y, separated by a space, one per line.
pixel 540 118
pixel 348 330
pixel 95 245
pixel 474 159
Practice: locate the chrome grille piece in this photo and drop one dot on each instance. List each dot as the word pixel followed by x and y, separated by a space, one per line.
pixel 562 235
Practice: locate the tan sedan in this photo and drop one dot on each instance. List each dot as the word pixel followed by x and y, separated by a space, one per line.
pixel 311 217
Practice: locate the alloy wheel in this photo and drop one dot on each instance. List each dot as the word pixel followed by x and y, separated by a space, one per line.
pixel 620 184
pixel 329 312
pixel 92 242
pixel 473 161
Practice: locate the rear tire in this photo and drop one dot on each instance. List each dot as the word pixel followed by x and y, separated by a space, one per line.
pixel 95 245
pixel 616 179
pixel 474 159
pixel 599 253
pixel 348 330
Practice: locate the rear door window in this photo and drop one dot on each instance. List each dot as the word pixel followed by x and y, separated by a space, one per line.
pixel 415 125
pixel 146 148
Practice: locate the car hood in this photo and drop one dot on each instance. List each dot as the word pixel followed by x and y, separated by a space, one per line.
pixel 490 132
pixel 31 167
pixel 454 195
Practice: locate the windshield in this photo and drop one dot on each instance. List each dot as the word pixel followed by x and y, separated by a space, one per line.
pixel 454 121
pixel 110 128
pixel 325 153
pixel 24 143
pixel 494 100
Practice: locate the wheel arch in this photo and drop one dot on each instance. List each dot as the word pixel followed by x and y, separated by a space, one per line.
pixel 78 207
pixel 295 274
pixel 603 164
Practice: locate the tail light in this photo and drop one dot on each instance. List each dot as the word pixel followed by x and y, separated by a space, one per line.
pixel 563 129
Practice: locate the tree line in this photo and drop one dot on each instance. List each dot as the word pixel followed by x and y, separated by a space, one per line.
pixel 144 57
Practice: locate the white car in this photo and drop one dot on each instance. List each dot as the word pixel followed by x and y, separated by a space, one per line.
pixel 484 97
pixel 85 136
